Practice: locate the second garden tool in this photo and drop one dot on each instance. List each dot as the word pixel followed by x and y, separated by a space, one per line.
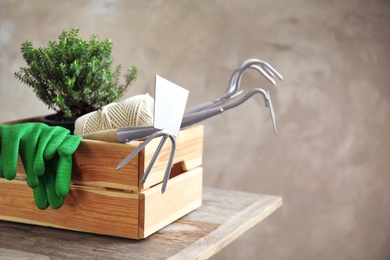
pixel 169 105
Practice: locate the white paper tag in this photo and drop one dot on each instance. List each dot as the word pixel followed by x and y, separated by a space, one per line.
pixel 169 105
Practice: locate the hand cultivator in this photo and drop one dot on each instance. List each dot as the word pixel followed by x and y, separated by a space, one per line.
pixel 199 113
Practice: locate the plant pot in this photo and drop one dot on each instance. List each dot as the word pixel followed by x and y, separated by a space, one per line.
pixel 51 121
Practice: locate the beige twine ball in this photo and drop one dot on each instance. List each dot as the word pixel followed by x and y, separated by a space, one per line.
pixel 134 111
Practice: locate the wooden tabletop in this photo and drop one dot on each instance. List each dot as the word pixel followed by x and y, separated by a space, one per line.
pixel 223 217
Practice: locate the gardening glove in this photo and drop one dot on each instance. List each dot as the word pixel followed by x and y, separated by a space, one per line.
pixel 32 141
pixel 1 164
pixel 40 193
pixel 55 182
pixel 64 164
pixel 39 145
pixel 49 141
pixel 45 194
pixel 23 138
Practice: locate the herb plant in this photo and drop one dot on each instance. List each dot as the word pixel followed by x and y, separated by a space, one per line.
pixel 73 76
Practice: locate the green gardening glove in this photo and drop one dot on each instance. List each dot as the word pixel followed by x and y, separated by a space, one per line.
pixel 55 183
pixel 49 142
pixel 64 166
pixel 39 146
pixel 21 138
pixel 1 164
pixel 45 194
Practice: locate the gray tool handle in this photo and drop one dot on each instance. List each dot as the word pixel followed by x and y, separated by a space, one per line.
pixel 199 107
pixel 190 119
pixel 126 135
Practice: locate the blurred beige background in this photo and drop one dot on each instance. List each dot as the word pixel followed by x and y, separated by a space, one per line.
pixel 330 160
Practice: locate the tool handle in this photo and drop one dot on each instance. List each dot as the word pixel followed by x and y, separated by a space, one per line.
pixel 197 117
pixel 127 135
pixel 199 107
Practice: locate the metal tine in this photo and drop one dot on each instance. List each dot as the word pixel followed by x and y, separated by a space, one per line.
pixel 170 163
pixel 246 97
pixel 261 66
pixel 265 65
pixel 165 136
pixel 235 79
pixel 264 72
pixel 267 100
pixel 264 68
pixel 154 158
pixel 139 148
pixel 271 109
pixel 233 88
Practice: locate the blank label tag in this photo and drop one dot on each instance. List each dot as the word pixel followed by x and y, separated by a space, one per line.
pixel 169 104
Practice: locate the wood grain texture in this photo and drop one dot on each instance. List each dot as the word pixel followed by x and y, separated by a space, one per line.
pixel 90 210
pixel 104 211
pixel 230 230
pixel 183 194
pixel 94 162
pixel 223 216
pixel 94 165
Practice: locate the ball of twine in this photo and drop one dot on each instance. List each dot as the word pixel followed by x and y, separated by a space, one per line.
pixel 134 111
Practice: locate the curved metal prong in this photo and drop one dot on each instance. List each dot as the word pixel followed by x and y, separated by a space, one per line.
pixel 265 65
pixel 262 71
pixel 271 109
pixel 248 96
pixel 154 158
pixel 267 101
pixel 170 163
pixel 264 68
pixel 233 88
pixel 138 149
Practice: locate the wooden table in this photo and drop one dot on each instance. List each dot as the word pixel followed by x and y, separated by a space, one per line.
pixel 224 216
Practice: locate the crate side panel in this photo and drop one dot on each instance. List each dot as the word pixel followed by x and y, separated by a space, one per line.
pixel 94 164
pixel 87 210
pixel 183 195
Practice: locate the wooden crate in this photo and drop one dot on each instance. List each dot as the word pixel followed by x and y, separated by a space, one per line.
pixel 109 202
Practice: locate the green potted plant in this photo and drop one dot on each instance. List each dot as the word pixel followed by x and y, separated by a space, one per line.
pixel 73 76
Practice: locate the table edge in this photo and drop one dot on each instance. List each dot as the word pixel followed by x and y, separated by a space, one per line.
pixel 232 229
